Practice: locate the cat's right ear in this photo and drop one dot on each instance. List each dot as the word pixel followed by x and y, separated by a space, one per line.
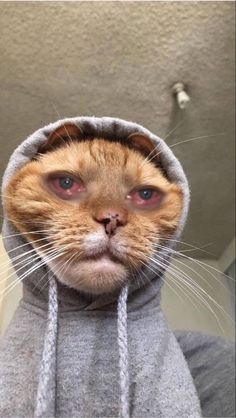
pixel 144 145
pixel 147 148
pixel 62 135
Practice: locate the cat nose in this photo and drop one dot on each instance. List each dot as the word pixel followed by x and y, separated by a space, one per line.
pixel 111 219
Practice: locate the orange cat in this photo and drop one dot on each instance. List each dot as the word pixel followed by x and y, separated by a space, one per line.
pixel 103 202
pixel 97 203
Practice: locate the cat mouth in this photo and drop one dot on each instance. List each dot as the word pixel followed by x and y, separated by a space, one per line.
pixel 94 273
pixel 103 256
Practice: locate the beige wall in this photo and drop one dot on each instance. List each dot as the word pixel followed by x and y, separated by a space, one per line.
pixel 183 310
pixel 9 299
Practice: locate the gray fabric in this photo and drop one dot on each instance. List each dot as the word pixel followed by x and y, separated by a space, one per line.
pixel 211 361
pixel 87 363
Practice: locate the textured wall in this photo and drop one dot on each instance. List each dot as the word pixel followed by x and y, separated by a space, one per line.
pixel 121 59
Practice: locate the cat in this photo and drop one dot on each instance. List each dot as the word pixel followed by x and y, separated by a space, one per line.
pixel 94 205
pixel 103 202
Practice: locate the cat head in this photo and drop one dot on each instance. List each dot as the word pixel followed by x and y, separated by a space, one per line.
pixel 96 210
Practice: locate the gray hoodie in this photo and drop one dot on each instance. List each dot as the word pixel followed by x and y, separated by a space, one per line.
pixel 67 355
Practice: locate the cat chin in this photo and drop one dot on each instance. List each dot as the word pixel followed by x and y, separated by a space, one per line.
pixel 93 276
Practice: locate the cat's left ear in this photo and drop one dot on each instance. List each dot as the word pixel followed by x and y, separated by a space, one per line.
pixel 144 145
pixel 65 133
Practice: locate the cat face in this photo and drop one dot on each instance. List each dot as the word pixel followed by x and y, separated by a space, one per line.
pixel 94 210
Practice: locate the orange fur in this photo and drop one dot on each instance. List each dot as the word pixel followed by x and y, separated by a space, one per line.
pixel 109 170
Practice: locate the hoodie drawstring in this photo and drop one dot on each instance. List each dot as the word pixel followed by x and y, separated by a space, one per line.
pixel 123 351
pixel 46 392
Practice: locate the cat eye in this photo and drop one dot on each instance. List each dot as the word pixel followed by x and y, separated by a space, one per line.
pixel 146 197
pixel 146 194
pixel 66 187
pixel 66 183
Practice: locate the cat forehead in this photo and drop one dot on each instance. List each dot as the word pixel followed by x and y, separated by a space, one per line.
pixel 70 132
pixel 95 150
pixel 99 156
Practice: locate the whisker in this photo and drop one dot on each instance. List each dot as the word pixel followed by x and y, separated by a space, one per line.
pixel 199 296
pixel 31 270
pixel 148 266
pixel 36 222
pixel 32 258
pixel 26 233
pixel 172 276
pixel 184 141
pixel 194 247
pixel 174 129
pixel 215 278
pixel 196 288
pixel 191 295
pixel 36 256
pixel 197 137
pixel 194 271
pixel 164 139
pixel 179 253
pixel 140 273
pixel 21 257
pixel 60 270
pixel 176 281
pixel 195 293
pixel 205 264
pixel 182 289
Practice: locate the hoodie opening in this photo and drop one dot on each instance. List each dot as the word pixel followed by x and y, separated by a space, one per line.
pixel 58 296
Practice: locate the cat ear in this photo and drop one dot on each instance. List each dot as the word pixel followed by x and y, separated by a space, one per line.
pixel 144 145
pixel 65 133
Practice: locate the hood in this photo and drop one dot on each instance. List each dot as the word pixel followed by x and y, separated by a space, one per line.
pixel 110 129
pixel 56 296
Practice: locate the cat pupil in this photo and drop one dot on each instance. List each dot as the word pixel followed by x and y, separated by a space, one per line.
pixel 66 182
pixel 146 194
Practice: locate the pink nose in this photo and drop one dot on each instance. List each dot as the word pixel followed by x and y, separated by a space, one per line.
pixel 111 219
